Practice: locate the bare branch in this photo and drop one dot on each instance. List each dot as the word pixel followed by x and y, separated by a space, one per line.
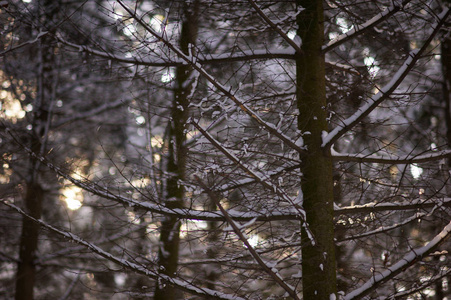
pixel 178 283
pixel 93 112
pixel 276 28
pixel 227 91
pixel 29 42
pixel 385 159
pixel 383 229
pixel 271 271
pixel 360 29
pixel 407 261
pixel 386 91
pixel 443 274
pixel 262 179
pixel 150 61
pixel 407 205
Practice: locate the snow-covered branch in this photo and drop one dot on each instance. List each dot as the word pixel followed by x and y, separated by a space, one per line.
pixel 260 178
pixel 271 271
pixel 383 229
pixel 202 58
pixel 226 90
pixel 408 260
pixel 153 61
pixel 403 295
pixel 292 43
pixel 247 181
pixel 389 159
pixel 140 269
pixel 406 205
pixel 386 91
pixel 191 214
pixel 359 29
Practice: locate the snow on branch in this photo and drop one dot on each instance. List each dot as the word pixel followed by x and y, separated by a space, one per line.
pixel 406 205
pixel 65 252
pixel 407 261
pixel 271 271
pixel 260 178
pixel 442 274
pixel 247 181
pixel 383 229
pixel 153 61
pixel 191 214
pixel 226 90
pixel 292 43
pixel 140 269
pixel 148 61
pixel 386 91
pixel 389 159
pixel 245 55
pixel 359 29
pixel 203 58
pixel 181 213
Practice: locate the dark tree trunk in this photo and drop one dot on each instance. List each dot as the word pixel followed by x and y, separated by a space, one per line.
pixel 34 194
pixel 318 259
pixel 26 269
pixel 170 228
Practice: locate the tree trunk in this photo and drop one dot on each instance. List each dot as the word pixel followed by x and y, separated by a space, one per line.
pixel 170 227
pixel 446 70
pixel 318 259
pixel 34 195
pixel 26 269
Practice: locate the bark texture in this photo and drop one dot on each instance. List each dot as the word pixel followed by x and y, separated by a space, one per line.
pixel 318 259
pixel 35 193
pixel 170 228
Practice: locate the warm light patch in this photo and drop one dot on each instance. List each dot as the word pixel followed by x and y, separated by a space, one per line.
pixel 5 173
pixel 10 108
pixel 73 197
pixel 72 194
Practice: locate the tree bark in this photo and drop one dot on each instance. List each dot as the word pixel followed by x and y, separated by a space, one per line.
pixel 26 268
pixel 318 259
pixel 170 228
pixel 35 194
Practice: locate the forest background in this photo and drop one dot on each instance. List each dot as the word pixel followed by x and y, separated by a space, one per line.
pixel 216 149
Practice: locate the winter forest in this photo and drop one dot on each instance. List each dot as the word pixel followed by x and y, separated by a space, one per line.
pixel 214 149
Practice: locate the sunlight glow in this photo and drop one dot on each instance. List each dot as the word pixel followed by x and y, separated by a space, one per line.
pixel 10 108
pixel 168 76
pixel 129 30
pixel 333 35
pixel 371 63
pixel 71 194
pixel 156 141
pixel 7 172
pixel 416 171
pixel 254 240
pixel 73 197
